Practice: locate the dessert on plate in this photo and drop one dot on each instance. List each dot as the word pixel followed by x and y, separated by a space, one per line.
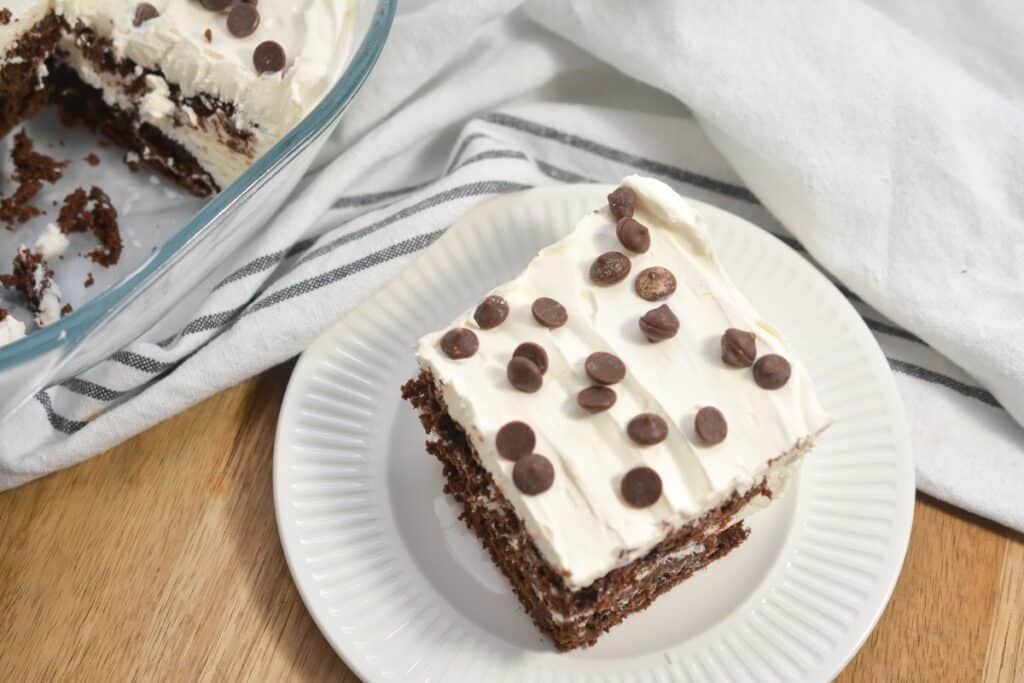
pixel 196 89
pixel 610 417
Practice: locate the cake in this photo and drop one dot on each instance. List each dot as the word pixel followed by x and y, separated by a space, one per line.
pixel 609 418
pixel 195 89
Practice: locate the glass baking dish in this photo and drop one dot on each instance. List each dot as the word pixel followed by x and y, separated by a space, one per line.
pixel 184 262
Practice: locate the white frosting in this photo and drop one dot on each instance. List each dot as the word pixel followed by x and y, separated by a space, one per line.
pixel 316 36
pixel 581 524
pixel 11 330
pixel 51 243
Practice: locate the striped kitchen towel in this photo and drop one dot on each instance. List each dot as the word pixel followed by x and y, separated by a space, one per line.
pixel 472 101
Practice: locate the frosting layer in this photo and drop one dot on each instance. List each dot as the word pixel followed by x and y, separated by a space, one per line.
pixel 581 524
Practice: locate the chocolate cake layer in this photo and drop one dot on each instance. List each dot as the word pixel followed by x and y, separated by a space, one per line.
pixel 23 91
pixel 571 618
pixel 80 102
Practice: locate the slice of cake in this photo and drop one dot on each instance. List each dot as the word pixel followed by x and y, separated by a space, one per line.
pixel 195 89
pixel 608 418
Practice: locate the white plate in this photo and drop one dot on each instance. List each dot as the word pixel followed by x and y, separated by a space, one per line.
pixel 403 592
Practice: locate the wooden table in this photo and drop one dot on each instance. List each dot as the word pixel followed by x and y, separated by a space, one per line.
pixel 160 560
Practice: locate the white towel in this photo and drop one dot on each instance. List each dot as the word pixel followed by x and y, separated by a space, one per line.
pixel 888 141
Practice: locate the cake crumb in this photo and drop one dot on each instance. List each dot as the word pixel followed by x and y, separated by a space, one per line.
pixel 89 281
pixel 92 159
pixel 32 165
pixel 31 168
pixel 94 213
pixel 33 278
pixel 208 34
pixel 17 208
pixel 5 17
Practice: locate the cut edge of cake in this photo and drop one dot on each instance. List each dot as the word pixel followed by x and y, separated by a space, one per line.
pixel 196 94
pixel 570 617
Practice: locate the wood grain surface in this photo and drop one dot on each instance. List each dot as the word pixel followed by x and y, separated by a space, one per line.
pixel 160 560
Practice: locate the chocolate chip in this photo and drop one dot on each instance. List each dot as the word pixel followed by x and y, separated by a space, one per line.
pixel 621 202
pixel 243 20
pixel 549 312
pixel 491 312
pixel 659 324
pixel 609 268
pixel 459 343
pixel 654 284
pixel 535 353
pixel 641 487
pixel 647 429
pixel 268 57
pixel 216 5
pixel 710 425
pixel 604 367
pixel 633 234
pixel 596 399
pixel 143 13
pixel 771 371
pixel 738 348
pixel 524 375
pixel 533 474
pixel 515 440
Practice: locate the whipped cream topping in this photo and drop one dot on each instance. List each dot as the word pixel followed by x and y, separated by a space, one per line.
pixel 581 525
pixel 51 243
pixel 316 36
pixel 11 329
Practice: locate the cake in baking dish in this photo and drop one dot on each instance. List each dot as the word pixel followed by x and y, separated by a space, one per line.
pixel 609 418
pixel 195 89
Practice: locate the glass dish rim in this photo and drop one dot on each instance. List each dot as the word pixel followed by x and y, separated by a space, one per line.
pixel 72 328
